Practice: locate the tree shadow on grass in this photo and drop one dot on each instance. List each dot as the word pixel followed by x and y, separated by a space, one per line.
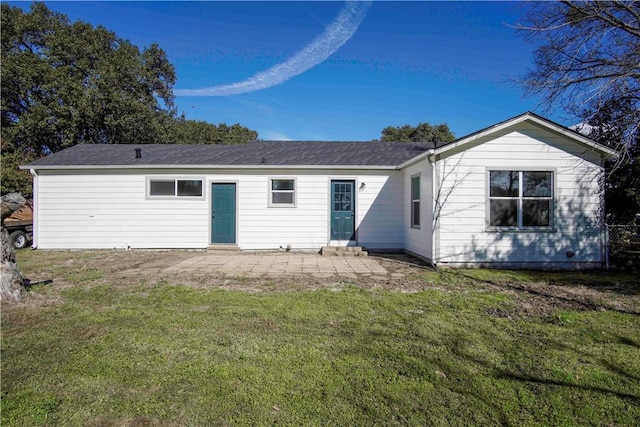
pixel 628 341
pixel 558 296
pixel 548 381
pixel 470 360
pixel 537 378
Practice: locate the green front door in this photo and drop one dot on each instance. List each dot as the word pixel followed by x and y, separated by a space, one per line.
pixel 223 213
pixel 343 210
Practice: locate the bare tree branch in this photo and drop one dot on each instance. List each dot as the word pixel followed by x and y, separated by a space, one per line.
pixel 587 57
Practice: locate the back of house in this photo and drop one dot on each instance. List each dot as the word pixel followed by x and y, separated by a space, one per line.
pixel 522 193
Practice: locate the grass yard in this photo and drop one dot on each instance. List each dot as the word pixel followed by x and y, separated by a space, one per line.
pixel 102 347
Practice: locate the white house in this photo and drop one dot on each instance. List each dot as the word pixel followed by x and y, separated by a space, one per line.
pixel 523 193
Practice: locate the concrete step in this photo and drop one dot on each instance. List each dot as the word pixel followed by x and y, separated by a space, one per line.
pixel 343 251
pixel 223 248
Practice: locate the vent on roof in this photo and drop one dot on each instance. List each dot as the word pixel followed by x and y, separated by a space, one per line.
pixel 138 153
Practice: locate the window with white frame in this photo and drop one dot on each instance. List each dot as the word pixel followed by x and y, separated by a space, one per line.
pixel 520 199
pixel 415 201
pixel 282 192
pixel 168 187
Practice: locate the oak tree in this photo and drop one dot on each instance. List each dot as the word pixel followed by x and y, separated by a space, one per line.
pixel 65 83
pixel 423 132
pixel 186 131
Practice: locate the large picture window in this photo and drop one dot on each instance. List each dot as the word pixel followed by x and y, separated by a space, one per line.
pixel 283 192
pixel 166 187
pixel 415 201
pixel 520 199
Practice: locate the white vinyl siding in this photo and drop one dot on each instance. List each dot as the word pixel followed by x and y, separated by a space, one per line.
pixel 465 238
pixel 113 210
pixel 379 213
pixel 419 240
pixel 262 227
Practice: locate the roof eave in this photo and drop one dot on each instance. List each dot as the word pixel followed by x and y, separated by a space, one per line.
pixel 417 158
pixel 217 167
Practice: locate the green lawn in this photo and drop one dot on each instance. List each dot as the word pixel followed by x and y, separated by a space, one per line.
pixel 90 351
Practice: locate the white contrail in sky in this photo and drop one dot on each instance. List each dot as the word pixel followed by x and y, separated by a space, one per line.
pixel 333 37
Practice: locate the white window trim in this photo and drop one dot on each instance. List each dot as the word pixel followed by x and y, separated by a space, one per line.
pixel 419 200
pixel 271 191
pixel 520 227
pixel 175 180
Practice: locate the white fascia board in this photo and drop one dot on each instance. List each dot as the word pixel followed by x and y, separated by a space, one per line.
pixel 576 136
pixel 479 135
pixel 217 167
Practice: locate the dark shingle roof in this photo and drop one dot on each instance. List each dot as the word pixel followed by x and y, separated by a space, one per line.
pixel 277 153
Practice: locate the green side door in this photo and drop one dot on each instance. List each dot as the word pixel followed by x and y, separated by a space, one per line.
pixel 223 213
pixel 343 210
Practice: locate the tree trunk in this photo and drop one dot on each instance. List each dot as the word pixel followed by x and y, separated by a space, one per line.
pixel 11 283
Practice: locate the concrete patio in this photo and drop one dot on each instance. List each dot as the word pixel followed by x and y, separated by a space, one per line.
pixel 278 264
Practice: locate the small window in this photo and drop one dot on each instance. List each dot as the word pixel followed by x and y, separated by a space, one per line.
pixel 415 201
pixel 162 188
pixel 175 187
pixel 189 188
pixel 520 199
pixel 282 192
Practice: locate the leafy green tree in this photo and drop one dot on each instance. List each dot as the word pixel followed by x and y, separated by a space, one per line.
pixel 423 132
pixel 198 132
pixel 587 62
pixel 67 83
pixel 15 180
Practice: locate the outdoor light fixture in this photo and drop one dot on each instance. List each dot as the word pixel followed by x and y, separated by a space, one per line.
pixel 362 186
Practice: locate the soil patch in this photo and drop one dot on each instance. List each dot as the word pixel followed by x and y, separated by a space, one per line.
pixel 534 293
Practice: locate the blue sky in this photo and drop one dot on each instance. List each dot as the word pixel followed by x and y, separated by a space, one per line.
pixel 399 63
